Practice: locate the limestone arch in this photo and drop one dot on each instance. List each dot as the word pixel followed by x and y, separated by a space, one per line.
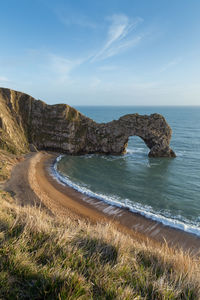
pixel 153 130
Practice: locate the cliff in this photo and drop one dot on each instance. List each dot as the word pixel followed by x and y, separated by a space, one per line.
pixel 25 120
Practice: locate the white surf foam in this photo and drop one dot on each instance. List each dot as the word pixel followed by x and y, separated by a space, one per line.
pixel 135 208
pixel 136 150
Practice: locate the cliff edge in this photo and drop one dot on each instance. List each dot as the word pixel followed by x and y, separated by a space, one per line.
pixel 25 121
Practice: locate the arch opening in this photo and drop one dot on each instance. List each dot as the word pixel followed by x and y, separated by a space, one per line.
pixel 137 145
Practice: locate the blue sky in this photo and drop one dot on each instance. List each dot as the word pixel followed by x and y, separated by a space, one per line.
pixel 96 52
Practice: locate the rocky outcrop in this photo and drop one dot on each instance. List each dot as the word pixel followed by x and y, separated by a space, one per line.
pixel 25 121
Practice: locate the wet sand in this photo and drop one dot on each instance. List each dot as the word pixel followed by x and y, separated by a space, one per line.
pixel 32 183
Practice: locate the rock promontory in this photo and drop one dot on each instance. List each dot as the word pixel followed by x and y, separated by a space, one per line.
pixel 25 121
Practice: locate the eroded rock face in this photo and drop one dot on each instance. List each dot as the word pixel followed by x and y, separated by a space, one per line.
pixel 24 121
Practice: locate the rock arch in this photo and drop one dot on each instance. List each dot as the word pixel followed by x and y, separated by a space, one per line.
pixel 153 130
pixel 63 129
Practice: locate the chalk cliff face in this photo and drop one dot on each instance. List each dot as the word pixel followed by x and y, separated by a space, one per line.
pixel 25 121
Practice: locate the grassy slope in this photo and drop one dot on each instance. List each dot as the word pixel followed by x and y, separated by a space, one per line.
pixel 7 161
pixel 44 257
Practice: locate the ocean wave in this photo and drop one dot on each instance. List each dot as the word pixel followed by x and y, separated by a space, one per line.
pixel 145 211
pixel 136 150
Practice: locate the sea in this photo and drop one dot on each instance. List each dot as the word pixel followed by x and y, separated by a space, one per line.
pixel 163 189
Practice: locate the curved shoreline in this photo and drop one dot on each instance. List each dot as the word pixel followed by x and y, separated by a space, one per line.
pixel 39 187
pixel 166 221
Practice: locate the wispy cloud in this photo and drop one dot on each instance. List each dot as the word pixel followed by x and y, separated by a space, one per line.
pixel 72 18
pixel 62 66
pixel 119 36
pixel 171 64
pixel 4 79
pixel 107 68
pixel 95 82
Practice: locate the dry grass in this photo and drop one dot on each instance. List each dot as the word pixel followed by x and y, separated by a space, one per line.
pixel 7 161
pixel 44 257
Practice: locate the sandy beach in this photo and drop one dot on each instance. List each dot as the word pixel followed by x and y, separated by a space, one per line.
pixel 31 183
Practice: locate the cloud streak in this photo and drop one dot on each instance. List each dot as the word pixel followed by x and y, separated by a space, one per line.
pixel 119 37
pixel 62 66
pixel 107 68
pixel 171 64
pixel 71 18
pixel 4 79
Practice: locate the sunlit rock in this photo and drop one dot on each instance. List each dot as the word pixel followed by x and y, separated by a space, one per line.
pixel 25 121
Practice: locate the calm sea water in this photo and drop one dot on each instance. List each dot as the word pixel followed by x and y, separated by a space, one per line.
pixel 167 190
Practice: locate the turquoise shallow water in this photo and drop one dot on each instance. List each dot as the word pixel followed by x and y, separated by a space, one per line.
pixel 167 190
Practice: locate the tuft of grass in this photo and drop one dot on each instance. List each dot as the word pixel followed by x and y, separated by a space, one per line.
pixel 46 257
pixel 7 161
pixel 7 144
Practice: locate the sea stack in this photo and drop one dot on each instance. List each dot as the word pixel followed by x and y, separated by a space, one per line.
pixel 25 121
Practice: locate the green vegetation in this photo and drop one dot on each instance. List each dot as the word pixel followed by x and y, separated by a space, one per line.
pixel 44 257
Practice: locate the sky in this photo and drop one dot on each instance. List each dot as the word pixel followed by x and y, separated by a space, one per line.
pixel 102 52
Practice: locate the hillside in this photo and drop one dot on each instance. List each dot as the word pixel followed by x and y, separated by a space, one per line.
pixel 45 257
